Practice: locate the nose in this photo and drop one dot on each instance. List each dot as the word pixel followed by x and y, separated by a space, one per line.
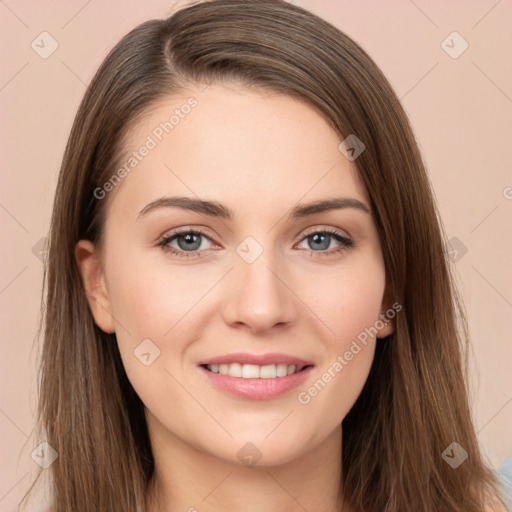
pixel 259 297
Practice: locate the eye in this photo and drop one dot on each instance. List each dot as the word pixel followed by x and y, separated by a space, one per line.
pixel 322 239
pixel 190 242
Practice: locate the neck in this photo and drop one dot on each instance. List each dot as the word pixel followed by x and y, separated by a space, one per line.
pixel 188 480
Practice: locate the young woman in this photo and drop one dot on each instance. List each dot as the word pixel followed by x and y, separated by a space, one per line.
pixel 248 303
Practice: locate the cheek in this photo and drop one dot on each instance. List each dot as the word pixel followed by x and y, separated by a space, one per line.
pixel 155 304
pixel 149 300
pixel 350 350
pixel 338 384
pixel 349 301
pixel 349 308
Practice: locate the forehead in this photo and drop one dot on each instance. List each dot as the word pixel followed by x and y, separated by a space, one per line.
pixel 254 149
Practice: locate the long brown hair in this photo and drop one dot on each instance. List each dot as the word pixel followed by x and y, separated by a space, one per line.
pixel 414 403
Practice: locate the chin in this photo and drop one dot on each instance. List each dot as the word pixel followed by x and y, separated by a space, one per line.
pixel 258 451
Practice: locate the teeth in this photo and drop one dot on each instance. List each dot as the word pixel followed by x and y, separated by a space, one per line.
pixel 268 372
pixel 250 371
pixel 235 370
pixel 253 371
pixel 281 370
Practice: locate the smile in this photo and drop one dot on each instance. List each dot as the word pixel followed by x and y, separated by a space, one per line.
pixel 253 382
pixel 253 371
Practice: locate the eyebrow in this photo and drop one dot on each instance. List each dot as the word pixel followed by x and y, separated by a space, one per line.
pixel 216 209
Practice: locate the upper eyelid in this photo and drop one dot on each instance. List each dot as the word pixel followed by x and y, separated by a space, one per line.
pixel 331 229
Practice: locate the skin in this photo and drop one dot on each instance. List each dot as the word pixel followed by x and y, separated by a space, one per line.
pixel 259 153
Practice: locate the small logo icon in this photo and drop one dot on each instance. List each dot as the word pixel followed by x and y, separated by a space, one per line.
pixel 44 45
pixel 351 147
pixel 455 455
pixel 249 455
pixel 146 352
pixel 249 250
pixel 44 455
pixel 456 249
pixel 454 45
pixel 40 248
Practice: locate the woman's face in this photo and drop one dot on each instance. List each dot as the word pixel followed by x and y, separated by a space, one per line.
pixel 272 284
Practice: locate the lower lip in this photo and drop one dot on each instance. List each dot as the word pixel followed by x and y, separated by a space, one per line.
pixel 257 389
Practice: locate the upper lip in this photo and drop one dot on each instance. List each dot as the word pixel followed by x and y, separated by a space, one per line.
pixel 257 359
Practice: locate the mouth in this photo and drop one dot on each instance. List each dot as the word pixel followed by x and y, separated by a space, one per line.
pixel 254 382
pixel 253 371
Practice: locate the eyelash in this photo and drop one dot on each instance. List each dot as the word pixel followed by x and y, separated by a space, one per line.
pixel 163 243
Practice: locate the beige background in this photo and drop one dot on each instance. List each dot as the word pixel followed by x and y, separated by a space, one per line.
pixel 460 109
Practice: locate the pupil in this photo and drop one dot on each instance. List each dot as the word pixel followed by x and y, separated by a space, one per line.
pixel 318 236
pixel 190 239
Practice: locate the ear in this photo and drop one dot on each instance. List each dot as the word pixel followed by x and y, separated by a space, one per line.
pixel 89 265
pixel 388 312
